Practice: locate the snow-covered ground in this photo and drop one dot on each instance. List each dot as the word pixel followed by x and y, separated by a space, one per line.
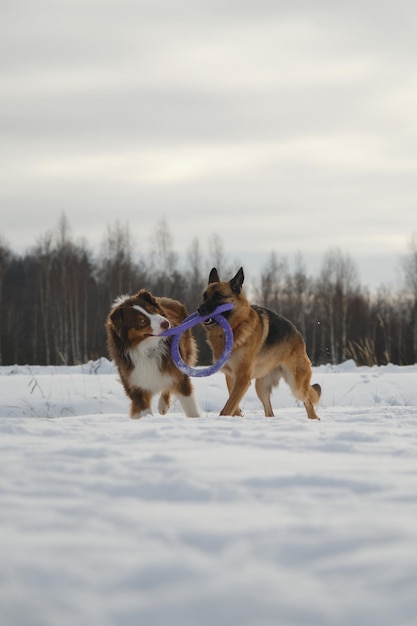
pixel 214 521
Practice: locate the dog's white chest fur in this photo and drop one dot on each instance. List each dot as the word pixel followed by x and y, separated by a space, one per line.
pixel 146 358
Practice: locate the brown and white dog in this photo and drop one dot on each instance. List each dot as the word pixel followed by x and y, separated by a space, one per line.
pixel 267 347
pixel 144 359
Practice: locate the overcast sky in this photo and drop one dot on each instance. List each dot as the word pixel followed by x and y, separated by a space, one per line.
pixel 279 125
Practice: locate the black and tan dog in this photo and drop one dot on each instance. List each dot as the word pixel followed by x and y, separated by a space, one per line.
pixel 267 347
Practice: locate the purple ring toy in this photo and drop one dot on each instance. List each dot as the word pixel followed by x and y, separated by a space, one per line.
pixel 189 322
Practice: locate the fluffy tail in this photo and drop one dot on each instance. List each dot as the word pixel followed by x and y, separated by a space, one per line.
pixel 315 393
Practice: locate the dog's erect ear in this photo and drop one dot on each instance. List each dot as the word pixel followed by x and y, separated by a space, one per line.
pixel 237 281
pixel 214 276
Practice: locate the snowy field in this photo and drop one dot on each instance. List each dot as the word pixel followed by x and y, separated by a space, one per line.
pixel 171 521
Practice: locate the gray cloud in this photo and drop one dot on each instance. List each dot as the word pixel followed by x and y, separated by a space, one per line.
pixel 292 123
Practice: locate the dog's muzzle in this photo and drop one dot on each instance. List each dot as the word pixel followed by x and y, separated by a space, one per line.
pixel 209 322
pixel 206 310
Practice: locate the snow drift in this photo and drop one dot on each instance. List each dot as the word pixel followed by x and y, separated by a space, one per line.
pixel 169 520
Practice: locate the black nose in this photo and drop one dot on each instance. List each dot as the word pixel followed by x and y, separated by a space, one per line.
pixel 203 310
pixel 165 325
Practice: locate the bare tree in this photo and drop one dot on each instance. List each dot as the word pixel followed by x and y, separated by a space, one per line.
pixel 195 277
pixel 409 266
pixel 116 269
pixel 271 293
pixel 338 281
pixel 44 259
pixel 218 257
pixel 298 292
pixel 164 258
pixel 62 298
pixel 54 299
pixel 5 258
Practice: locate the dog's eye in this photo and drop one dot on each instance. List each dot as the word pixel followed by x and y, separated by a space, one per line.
pixel 141 321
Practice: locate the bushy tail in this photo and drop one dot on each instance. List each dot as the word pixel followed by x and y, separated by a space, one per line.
pixel 315 393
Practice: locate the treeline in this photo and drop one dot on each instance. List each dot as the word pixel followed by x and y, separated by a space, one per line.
pixel 54 299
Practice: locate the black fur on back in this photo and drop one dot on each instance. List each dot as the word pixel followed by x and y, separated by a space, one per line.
pixel 280 328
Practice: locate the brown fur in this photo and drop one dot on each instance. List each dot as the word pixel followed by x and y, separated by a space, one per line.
pixel 144 359
pixel 266 347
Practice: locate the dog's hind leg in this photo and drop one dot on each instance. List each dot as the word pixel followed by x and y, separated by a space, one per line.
pixel 298 376
pixel 311 412
pixel 264 388
pixel 314 393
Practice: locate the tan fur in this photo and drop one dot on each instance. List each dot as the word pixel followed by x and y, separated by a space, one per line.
pixel 144 359
pixel 267 347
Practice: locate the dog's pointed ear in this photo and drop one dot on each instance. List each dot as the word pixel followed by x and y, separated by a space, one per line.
pixel 214 276
pixel 237 281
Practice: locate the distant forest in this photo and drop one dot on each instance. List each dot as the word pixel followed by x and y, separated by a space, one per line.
pixel 54 298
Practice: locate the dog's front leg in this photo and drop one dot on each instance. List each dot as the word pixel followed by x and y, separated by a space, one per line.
pixel 141 403
pixel 185 394
pixel 230 384
pixel 238 386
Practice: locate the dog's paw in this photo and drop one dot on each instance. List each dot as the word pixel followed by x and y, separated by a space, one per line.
pixel 138 415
